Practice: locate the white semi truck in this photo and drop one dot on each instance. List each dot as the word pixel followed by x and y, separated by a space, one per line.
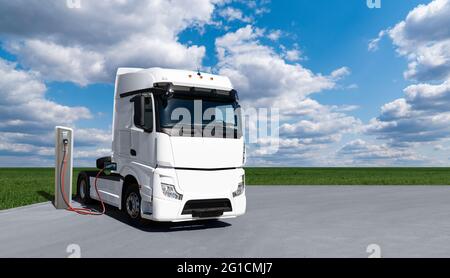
pixel 177 152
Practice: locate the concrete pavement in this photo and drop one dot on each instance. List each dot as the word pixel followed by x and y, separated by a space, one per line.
pixel 282 221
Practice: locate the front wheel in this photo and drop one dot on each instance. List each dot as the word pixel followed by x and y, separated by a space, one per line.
pixel 132 204
pixel 83 188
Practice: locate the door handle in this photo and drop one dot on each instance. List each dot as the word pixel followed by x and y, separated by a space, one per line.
pixel 133 152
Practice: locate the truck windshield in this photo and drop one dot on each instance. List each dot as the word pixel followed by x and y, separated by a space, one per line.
pixel 182 114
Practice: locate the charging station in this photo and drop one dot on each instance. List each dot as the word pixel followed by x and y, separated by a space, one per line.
pixel 63 166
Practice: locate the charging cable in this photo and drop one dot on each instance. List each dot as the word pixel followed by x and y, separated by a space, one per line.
pixel 83 211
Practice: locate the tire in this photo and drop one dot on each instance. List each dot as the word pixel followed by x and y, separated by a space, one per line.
pixel 132 204
pixel 83 188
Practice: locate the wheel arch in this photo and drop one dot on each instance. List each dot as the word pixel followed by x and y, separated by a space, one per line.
pixel 135 174
pixel 128 180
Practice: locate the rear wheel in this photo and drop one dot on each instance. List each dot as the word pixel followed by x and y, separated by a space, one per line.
pixel 132 204
pixel 83 188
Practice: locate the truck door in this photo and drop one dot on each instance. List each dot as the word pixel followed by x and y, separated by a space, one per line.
pixel 143 136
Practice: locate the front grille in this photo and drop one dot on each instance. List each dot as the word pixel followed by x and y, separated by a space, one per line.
pixel 203 208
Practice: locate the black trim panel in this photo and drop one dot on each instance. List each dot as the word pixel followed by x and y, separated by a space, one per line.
pixel 216 207
pixel 112 176
pixel 152 90
pixel 132 93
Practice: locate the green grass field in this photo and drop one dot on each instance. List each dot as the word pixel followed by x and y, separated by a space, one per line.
pixel 24 186
pixel 20 186
pixel 348 176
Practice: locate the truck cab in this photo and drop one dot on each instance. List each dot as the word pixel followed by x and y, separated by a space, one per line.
pixel 177 151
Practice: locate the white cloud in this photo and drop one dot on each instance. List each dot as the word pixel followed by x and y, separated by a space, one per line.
pixel 57 62
pixel 231 14
pixel 23 104
pixel 313 123
pixel 440 148
pixel 90 144
pixel 93 136
pixel 261 73
pixel 265 78
pixel 373 44
pixel 83 46
pixel 29 118
pixel 340 73
pixel 424 38
pixel 91 153
pixel 15 148
pixel 29 160
pixel 362 152
pixel 274 35
pixel 429 97
pixel 292 55
pixel 422 115
pixel 320 128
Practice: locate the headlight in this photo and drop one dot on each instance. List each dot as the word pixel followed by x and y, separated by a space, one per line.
pixel 170 191
pixel 240 189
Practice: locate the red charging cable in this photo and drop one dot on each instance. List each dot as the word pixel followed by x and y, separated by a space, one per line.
pixel 83 211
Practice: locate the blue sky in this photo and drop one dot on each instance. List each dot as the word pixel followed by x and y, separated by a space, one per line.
pixel 347 100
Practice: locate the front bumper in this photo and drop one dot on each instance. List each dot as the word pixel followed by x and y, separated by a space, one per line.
pixel 172 211
pixel 197 186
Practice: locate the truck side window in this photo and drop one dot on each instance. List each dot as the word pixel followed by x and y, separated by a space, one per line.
pixel 148 114
pixel 143 113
